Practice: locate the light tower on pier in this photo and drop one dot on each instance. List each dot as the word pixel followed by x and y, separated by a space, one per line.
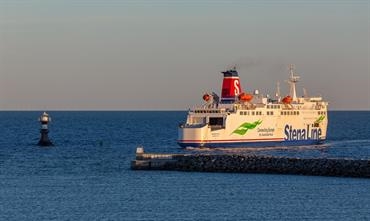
pixel 44 139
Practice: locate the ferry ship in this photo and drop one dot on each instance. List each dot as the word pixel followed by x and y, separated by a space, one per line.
pixel 241 119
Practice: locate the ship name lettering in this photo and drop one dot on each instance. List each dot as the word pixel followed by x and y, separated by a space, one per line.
pixel 302 134
pixel 236 86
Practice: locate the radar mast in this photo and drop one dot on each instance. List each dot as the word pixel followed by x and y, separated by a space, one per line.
pixel 292 81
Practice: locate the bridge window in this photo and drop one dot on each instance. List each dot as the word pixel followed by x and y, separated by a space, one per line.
pixel 216 121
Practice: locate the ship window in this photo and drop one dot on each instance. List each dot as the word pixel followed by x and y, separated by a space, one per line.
pixel 216 121
pixel 252 112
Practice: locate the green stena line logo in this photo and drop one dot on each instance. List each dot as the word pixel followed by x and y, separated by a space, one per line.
pixel 243 128
pixel 320 119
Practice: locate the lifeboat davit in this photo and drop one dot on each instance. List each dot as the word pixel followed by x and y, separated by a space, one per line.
pixel 287 100
pixel 206 97
pixel 245 97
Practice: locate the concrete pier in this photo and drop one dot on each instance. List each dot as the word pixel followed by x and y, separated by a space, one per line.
pixel 252 164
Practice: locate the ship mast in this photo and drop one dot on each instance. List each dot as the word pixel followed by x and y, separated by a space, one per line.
pixel 292 81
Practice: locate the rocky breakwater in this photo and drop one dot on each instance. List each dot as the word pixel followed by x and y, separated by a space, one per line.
pixel 273 164
pixel 247 163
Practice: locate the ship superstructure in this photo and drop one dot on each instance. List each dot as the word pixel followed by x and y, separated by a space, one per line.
pixel 243 119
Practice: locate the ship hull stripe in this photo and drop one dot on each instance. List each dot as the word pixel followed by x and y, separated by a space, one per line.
pixel 230 140
pixel 254 143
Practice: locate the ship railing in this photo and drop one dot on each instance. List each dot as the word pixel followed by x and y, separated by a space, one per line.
pixel 158 156
pixel 207 110
pixel 248 106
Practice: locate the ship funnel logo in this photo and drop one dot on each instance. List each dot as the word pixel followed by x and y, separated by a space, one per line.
pixel 230 86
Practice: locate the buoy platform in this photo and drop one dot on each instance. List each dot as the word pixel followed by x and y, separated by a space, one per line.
pixel 248 163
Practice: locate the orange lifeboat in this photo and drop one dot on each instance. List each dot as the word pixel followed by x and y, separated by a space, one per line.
pixel 287 100
pixel 206 97
pixel 245 97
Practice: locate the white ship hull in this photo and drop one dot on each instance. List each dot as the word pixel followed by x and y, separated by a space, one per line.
pixel 263 123
pixel 242 129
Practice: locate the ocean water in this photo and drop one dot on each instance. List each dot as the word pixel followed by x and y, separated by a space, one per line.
pixel 87 176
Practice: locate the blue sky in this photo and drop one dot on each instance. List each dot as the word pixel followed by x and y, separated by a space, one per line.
pixel 163 55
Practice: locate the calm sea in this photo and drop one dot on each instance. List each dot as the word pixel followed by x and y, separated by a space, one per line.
pixel 87 176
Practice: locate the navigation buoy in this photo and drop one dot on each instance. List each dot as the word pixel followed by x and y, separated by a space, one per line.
pixel 44 139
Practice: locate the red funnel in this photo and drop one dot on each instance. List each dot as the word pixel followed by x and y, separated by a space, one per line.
pixel 230 86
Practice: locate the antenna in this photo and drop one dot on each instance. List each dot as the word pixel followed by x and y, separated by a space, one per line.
pixel 277 90
pixel 305 92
